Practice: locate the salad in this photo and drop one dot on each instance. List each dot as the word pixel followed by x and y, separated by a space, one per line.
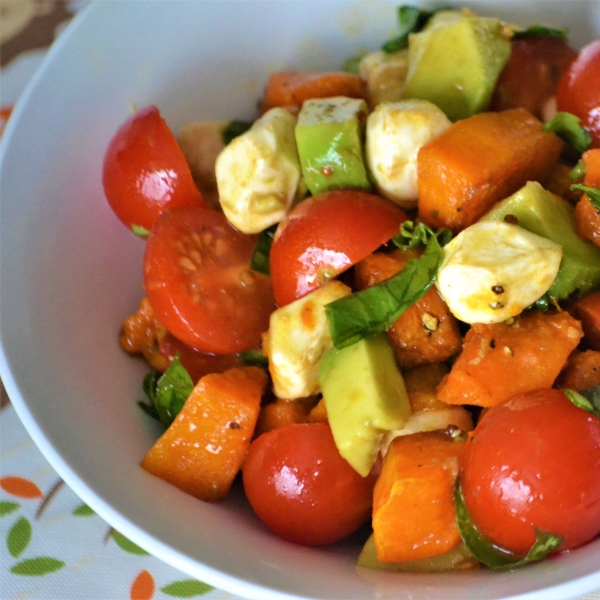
pixel 379 302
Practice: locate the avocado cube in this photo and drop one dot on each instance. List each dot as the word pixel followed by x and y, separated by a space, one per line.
pixel 365 397
pixel 330 139
pixel 541 212
pixel 456 63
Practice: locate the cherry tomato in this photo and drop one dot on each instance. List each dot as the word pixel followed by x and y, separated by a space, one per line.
pixel 531 74
pixel 302 489
pixel 534 462
pixel 198 280
pixel 196 363
pixel 578 90
pixel 325 235
pixel 145 171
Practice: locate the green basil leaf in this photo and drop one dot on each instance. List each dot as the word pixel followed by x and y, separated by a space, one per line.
pixel 172 390
pixel 412 235
pixel 375 309
pixel 542 31
pixel 410 20
pixel 592 193
pixel 233 129
pixel 590 403
pixel 593 395
pixel 578 171
pixel 568 127
pixel 542 304
pixel 491 555
pixel 140 231
pixel 260 256
pixel 253 358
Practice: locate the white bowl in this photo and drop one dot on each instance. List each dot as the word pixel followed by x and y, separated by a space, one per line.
pixel 70 272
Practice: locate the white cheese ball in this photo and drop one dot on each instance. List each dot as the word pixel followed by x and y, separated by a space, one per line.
pixel 298 339
pixel 395 134
pixel 493 270
pixel 258 173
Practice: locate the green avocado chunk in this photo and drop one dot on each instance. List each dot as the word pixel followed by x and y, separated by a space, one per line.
pixel 541 212
pixel 455 62
pixel 330 138
pixel 365 397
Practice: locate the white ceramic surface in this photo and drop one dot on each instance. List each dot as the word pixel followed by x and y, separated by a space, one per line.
pixel 70 272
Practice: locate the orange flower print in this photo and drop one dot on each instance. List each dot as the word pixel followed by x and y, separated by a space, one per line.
pixel 142 587
pixel 18 486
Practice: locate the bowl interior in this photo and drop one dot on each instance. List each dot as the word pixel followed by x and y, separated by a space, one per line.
pixel 70 272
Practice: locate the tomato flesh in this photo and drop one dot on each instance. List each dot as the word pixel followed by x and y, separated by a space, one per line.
pixel 326 235
pixel 531 74
pixel 302 489
pixel 198 280
pixel 579 90
pixel 145 171
pixel 534 462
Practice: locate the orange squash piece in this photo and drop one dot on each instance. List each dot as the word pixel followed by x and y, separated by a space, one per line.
pixel 582 371
pixel 480 161
pixel 319 413
pixel 414 516
pixel 501 360
pixel 587 216
pixel 587 310
pixel 291 88
pixel 279 414
pixel 425 333
pixel 204 448
pixel 421 386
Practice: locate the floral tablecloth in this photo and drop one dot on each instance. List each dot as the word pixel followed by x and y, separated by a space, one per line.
pixel 52 546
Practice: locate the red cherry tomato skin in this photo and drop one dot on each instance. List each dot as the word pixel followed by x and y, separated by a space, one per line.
pixel 302 489
pixel 195 362
pixel 531 74
pixel 198 280
pixel 534 462
pixel 579 90
pixel 326 235
pixel 145 171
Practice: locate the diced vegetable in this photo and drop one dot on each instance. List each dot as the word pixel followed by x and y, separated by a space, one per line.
pixel 365 397
pixel 204 448
pixel 480 161
pixel 494 270
pixel 413 506
pixel 329 137
pixel 290 89
pixel 587 310
pixel 501 360
pixel 581 372
pixel 395 134
pixel 279 414
pixel 426 332
pixel 587 213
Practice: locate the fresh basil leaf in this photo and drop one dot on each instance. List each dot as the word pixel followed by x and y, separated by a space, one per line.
pixel 253 358
pixel 149 384
pixel 375 309
pixel 260 256
pixel 593 395
pixel 589 403
pixel 578 171
pixel 412 235
pixel 351 65
pixel 410 20
pixel 592 193
pixel 150 410
pixel 233 129
pixel 542 304
pixel 491 555
pixel 541 31
pixel 568 127
pixel 140 231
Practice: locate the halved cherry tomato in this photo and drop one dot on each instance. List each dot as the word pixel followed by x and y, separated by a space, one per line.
pixel 302 489
pixel 531 74
pixel 534 462
pixel 198 280
pixel 578 90
pixel 145 171
pixel 326 235
pixel 196 363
